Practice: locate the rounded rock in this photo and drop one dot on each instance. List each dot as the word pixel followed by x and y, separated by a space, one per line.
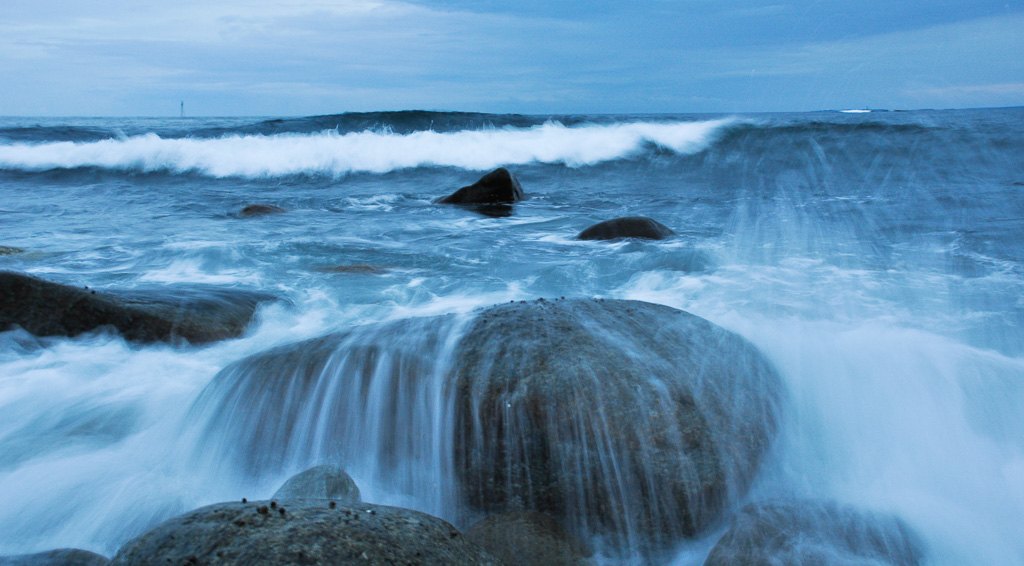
pixel 629 419
pixel 812 532
pixel 310 533
pixel 627 227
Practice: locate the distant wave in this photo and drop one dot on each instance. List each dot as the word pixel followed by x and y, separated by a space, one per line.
pixel 376 151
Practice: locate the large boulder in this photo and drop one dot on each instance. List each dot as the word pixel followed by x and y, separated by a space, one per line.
pixel 61 557
pixel 627 227
pixel 629 419
pixel 497 187
pixel 265 533
pixel 196 314
pixel 320 482
pixel 811 532
pixel 529 538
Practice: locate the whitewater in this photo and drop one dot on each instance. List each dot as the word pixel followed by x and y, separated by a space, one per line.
pixel 333 153
pixel 874 258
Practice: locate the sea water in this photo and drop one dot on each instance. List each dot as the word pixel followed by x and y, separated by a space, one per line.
pixel 875 258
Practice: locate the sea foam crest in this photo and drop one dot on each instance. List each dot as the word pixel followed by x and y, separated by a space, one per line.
pixel 331 153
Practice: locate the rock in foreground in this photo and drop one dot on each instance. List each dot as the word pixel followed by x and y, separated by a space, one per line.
pixel 320 482
pixel 816 533
pixel 302 532
pixel 196 315
pixel 497 187
pixel 629 419
pixel 528 538
pixel 62 557
pixel 627 227
pixel 625 419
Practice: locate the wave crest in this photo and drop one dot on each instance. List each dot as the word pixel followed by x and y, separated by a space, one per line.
pixel 333 153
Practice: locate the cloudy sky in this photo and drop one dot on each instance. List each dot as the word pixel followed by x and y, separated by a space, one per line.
pixel 304 57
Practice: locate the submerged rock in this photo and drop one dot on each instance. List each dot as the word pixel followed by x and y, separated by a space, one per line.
pixel 61 557
pixel 635 420
pixel 320 482
pixel 528 538
pixel 196 315
pixel 497 187
pixel 811 532
pixel 261 210
pixel 264 533
pixel 627 227
pixel 8 250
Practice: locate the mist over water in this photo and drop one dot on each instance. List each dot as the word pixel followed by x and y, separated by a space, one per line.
pixel 874 258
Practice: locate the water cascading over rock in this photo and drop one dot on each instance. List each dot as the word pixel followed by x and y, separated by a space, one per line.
pixel 633 421
pixel 629 419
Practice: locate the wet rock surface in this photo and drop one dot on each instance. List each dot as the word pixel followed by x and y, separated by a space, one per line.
pixel 60 557
pixel 265 533
pixel 320 482
pixel 497 187
pixel 629 419
pixel 627 227
pixel 528 538
pixel 254 210
pixel 191 314
pixel 818 533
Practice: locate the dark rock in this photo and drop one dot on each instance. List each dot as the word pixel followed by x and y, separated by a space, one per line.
pixel 196 314
pixel 261 210
pixel 310 532
pixel 320 482
pixel 528 538
pixel 491 210
pixel 62 557
pixel 627 227
pixel 625 418
pixel 8 250
pixel 823 534
pixel 497 187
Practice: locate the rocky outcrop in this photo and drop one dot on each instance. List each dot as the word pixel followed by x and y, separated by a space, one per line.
pixel 627 227
pixel 196 314
pixel 629 419
pixel 497 187
pixel 817 533
pixel 61 557
pixel 528 538
pixel 265 533
pixel 260 210
pixel 320 482
pixel 634 421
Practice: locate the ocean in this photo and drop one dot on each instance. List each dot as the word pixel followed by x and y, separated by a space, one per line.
pixel 875 258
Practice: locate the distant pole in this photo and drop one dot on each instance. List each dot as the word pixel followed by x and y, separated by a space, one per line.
pixel 182 108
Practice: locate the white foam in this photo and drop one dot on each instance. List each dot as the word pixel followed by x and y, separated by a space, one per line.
pixel 331 153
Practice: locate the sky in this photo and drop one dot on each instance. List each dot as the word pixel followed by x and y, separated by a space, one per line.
pixel 310 57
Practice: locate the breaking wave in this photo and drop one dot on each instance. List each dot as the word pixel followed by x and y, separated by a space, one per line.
pixel 375 151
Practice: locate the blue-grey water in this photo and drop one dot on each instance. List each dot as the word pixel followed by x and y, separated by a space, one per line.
pixel 876 258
